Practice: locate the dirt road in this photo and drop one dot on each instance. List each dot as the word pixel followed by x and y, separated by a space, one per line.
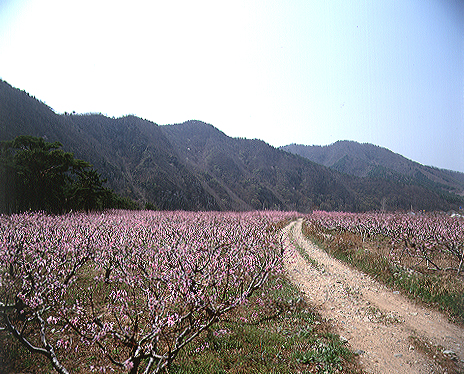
pixel 388 331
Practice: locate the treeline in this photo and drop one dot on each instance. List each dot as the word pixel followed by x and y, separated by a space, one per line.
pixel 36 175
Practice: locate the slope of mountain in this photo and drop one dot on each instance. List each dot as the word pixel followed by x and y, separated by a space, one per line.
pixel 255 175
pixel 367 160
pixel 265 177
pixel 194 166
pixel 135 157
pixel 141 163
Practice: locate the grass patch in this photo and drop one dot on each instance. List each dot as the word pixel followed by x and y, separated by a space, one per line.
pixel 328 355
pixel 439 289
pixel 435 353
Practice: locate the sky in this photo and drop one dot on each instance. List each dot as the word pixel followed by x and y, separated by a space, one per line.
pixel 386 72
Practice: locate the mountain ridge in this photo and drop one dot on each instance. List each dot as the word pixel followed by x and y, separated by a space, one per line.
pixel 368 160
pixel 195 166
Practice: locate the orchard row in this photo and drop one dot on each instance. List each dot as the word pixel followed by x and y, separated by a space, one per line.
pixel 423 235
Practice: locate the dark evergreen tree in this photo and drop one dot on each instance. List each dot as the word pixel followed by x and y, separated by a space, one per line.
pixel 38 175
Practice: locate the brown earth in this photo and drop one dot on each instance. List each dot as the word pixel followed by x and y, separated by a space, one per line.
pixel 390 333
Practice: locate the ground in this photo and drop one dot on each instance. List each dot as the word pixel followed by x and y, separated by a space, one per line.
pixel 390 333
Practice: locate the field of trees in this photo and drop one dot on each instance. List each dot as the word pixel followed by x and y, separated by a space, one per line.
pixel 128 291
pixel 147 292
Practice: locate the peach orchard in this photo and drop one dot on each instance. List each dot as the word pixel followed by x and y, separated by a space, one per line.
pixel 136 287
pixel 127 291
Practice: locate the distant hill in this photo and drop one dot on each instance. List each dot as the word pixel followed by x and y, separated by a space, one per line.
pixel 367 160
pixel 194 166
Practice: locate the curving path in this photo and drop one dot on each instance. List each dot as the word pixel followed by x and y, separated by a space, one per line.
pixel 376 322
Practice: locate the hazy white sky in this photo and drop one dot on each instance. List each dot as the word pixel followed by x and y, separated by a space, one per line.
pixel 387 72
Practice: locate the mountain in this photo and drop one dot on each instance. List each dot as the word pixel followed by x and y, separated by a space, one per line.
pixel 195 166
pixel 367 160
pixel 250 174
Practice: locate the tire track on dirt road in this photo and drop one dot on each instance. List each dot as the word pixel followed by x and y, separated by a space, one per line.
pixel 376 322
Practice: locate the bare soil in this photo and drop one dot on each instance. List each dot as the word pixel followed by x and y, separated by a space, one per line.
pixel 390 333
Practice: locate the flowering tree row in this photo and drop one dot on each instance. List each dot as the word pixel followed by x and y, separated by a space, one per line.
pixel 423 235
pixel 128 290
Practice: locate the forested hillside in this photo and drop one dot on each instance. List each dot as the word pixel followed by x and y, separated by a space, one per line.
pixel 367 160
pixel 194 166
